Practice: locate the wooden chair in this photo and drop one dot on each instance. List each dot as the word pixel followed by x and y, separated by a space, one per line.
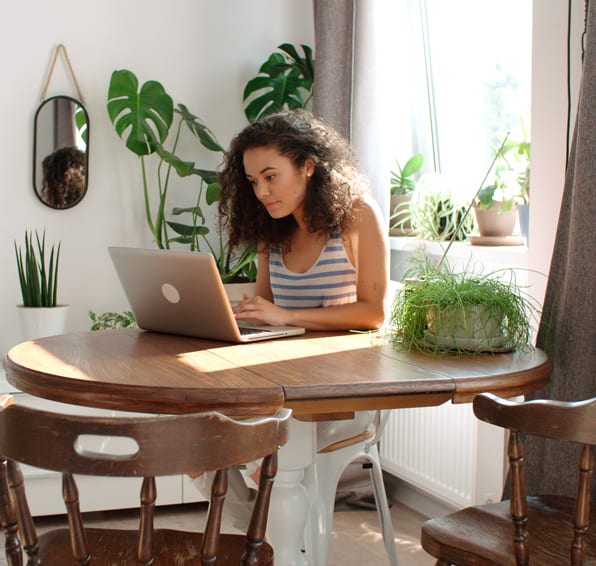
pixel 165 445
pixel 538 530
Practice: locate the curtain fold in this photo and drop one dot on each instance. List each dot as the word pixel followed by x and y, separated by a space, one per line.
pixel 332 89
pixel 350 91
pixel 567 330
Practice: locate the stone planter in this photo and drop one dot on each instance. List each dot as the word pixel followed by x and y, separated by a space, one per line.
pixel 468 327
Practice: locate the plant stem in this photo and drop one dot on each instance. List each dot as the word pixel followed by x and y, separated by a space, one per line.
pixel 147 203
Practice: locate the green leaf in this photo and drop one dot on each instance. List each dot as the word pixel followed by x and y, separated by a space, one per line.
pixel 205 135
pixel 176 211
pixel 413 165
pixel 143 118
pixel 306 64
pixel 188 230
pixel 207 175
pixel 284 81
pixel 485 196
pixel 80 117
pixel 183 168
pixel 213 193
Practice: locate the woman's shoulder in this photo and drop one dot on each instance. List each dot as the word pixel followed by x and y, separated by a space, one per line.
pixel 365 209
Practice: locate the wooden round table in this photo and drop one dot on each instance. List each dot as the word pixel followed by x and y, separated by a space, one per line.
pixel 320 375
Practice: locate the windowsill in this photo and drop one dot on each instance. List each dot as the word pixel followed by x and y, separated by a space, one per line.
pixel 460 254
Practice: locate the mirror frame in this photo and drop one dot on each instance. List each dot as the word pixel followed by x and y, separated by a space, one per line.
pixel 37 161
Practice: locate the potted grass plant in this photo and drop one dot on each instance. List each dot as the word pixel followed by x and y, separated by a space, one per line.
pixel 37 267
pixel 442 310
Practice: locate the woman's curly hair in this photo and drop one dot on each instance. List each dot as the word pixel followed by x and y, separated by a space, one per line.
pixel 333 187
pixel 63 177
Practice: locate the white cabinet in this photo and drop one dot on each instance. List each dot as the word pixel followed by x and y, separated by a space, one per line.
pixel 44 488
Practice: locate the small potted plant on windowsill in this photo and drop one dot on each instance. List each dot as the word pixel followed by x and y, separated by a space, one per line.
pixel 441 310
pixel 402 185
pixel 437 210
pixel 40 314
pixel 497 204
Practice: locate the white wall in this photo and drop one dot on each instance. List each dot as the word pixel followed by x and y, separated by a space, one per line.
pixel 202 51
pixel 549 126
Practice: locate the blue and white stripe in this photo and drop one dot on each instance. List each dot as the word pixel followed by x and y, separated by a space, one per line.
pixel 330 281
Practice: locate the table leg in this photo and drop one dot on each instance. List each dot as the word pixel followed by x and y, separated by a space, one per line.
pixel 289 498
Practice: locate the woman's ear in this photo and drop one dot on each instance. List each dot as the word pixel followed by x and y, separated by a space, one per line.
pixel 309 167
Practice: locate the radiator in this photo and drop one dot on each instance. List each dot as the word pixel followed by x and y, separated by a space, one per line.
pixel 446 452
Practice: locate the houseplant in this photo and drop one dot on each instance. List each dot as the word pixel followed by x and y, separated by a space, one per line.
pixel 284 81
pixel 496 205
pixel 40 313
pixel 437 211
pixel 443 310
pixel 112 320
pixel 146 119
pixel 402 185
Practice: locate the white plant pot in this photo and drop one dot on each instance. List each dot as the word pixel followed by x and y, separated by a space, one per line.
pixel 235 291
pixel 37 322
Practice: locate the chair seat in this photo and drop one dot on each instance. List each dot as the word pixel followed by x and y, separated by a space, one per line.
pixel 482 535
pixel 109 547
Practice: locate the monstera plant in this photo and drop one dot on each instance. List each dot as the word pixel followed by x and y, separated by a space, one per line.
pixel 146 119
pixel 143 118
pixel 284 81
pixel 151 127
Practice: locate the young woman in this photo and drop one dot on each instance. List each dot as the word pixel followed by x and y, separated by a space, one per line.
pixel 290 183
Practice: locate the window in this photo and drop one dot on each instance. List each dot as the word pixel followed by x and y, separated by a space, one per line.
pixel 471 67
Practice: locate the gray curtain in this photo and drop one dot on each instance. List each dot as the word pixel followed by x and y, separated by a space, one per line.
pixel 351 55
pixel 567 330
pixel 332 89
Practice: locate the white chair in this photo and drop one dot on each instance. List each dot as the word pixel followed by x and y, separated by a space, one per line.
pixel 321 480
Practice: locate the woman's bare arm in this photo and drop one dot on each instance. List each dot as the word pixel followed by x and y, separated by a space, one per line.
pixel 367 247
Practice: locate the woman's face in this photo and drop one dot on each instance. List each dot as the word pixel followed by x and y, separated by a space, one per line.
pixel 278 184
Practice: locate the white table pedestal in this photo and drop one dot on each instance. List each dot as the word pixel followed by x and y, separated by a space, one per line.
pixel 289 505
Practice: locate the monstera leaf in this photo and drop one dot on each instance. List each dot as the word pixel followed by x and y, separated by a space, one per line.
pixel 205 135
pixel 144 116
pixel 284 81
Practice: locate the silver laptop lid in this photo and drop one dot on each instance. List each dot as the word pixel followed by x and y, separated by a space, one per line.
pixel 180 292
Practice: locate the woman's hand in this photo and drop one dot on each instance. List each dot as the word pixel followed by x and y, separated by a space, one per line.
pixel 261 310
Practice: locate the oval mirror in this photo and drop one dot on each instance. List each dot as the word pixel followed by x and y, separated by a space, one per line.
pixel 61 152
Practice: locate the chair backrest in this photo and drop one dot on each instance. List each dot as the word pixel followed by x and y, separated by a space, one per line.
pixel 559 420
pixel 155 446
pixel 161 445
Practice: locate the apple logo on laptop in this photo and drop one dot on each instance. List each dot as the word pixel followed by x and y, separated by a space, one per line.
pixel 170 293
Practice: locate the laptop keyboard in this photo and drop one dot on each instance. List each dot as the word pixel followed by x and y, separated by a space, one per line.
pixel 248 331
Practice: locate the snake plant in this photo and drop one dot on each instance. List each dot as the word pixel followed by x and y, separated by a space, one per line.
pixel 38 278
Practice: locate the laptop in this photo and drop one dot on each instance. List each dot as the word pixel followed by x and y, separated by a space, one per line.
pixel 181 292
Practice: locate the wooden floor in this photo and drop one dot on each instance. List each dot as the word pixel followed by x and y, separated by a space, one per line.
pixel 356 537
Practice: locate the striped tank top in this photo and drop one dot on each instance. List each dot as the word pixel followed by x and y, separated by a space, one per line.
pixel 330 281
